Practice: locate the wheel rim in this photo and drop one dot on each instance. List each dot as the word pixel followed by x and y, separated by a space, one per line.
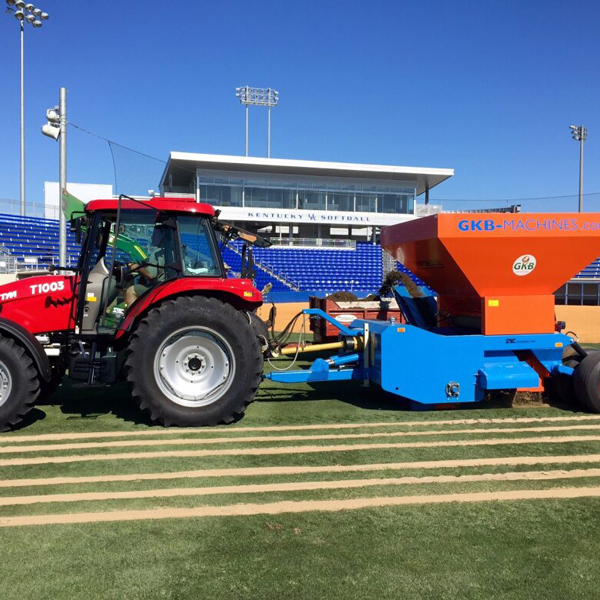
pixel 194 366
pixel 5 383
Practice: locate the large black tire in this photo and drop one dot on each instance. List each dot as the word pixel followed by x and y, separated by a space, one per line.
pixel 587 382
pixel 194 361
pixel 19 383
pixel 562 387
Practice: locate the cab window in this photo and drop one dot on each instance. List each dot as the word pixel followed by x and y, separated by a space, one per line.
pixel 198 250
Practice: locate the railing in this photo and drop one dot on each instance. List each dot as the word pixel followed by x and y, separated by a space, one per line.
pixel 293 285
pixel 323 244
pixel 10 206
pixel 8 262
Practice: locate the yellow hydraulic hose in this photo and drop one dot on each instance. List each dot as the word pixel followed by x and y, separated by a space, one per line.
pixel 320 347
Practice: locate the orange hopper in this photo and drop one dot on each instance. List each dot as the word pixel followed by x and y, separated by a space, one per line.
pixel 497 269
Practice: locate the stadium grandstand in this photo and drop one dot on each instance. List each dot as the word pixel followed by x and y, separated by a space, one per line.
pixel 323 219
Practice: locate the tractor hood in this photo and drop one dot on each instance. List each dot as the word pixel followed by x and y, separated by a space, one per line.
pixel 40 304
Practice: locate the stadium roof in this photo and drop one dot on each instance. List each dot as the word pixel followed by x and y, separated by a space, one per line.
pixel 182 167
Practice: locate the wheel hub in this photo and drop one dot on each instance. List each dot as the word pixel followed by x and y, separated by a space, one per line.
pixel 194 366
pixel 193 362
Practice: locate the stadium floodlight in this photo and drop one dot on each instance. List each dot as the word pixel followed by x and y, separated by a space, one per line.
pixel 249 96
pixel 52 127
pixel 34 18
pixel 579 133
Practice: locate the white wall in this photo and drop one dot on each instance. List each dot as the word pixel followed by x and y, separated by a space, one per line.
pixel 83 191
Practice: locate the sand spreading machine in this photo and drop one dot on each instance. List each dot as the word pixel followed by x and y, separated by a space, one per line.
pixel 489 325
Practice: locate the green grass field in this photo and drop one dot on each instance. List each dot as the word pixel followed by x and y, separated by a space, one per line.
pixel 318 492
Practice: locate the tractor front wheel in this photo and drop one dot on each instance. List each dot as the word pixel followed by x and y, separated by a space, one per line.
pixel 194 361
pixel 19 383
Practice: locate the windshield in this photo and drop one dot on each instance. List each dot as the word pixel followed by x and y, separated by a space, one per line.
pixel 197 248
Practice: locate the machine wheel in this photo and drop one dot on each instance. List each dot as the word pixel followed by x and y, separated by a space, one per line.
pixel 19 383
pixel 587 382
pixel 562 387
pixel 194 361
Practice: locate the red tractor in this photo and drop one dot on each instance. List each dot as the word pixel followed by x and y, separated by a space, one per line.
pixel 149 302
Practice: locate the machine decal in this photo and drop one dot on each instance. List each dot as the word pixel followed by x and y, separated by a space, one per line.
pixel 346 318
pixel 44 288
pixel 524 265
pixel 8 295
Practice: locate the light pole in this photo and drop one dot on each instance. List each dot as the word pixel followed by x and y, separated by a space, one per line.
pixel 24 13
pixel 579 134
pixel 258 97
pixel 56 128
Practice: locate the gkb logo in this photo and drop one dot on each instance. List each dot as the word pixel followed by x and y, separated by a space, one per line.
pixel 524 265
pixel 477 225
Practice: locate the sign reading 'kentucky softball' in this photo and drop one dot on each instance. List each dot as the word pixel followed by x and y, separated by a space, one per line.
pixel 236 213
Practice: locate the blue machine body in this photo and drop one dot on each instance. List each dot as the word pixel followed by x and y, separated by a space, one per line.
pixel 431 366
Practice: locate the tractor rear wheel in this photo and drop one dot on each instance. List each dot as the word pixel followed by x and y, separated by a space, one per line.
pixel 194 361
pixel 19 383
pixel 587 382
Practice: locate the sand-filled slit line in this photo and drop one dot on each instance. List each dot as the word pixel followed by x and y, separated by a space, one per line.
pixel 301 486
pixel 269 451
pixel 289 438
pixel 300 470
pixel 152 431
pixel 299 506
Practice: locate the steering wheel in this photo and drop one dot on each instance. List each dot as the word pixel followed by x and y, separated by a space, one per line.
pixel 124 272
pixel 138 266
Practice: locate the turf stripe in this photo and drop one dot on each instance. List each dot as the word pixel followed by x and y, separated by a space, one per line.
pixel 299 470
pixel 287 438
pixel 232 429
pixel 298 486
pixel 301 506
pixel 43 460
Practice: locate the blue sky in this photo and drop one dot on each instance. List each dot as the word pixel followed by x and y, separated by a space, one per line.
pixel 488 88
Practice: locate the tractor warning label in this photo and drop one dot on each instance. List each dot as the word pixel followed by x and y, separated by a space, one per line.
pixel 524 265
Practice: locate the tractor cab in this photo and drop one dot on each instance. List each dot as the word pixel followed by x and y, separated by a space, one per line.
pixel 131 248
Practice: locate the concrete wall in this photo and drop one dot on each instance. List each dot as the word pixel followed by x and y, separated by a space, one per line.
pixel 583 320
pixel 285 312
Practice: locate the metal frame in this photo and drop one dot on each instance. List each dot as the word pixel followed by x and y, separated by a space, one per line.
pixel 436 367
